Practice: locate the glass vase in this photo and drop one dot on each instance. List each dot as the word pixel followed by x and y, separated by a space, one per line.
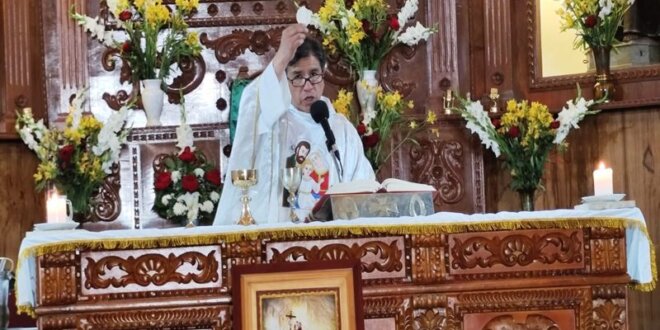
pixel 527 199
pixel 604 87
pixel 80 197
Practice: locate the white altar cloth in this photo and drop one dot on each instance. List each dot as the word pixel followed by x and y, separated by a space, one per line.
pixel 638 246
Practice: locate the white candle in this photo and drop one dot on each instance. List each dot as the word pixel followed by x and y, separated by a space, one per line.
pixel 603 181
pixel 56 209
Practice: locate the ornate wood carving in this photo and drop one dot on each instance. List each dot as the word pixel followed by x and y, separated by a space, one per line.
pixel 429 319
pixel 106 202
pixel 384 307
pixel 230 47
pixel 388 255
pixel 532 322
pixel 515 250
pixel 428 254
pixel 439 163
pixel 216 317
pixel 58 322
pixel 610 314
pixel 58 272
pixel 607 255
pixel 150 269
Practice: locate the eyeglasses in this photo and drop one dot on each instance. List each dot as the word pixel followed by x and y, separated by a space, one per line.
pixel 313 79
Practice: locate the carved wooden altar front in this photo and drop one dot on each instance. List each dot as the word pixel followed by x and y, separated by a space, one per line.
pixel 520 279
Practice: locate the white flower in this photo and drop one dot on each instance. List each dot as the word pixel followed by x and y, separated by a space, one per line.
pixel 166 199
pixel 207 207
pixel 111 138
pixel 570 116
pixel 414 35
pixel 184 136
pixel 199 172
pixel 28 138
pixel 605 8
pixel 179 208
pixel 176 176
pixel 215 197
pixel 305 16
pixel 479 123
pixel 407 12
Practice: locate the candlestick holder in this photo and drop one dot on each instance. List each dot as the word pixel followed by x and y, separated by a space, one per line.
pixel 291 178
pixel 494 97
pixel 448 102
pixel 244 179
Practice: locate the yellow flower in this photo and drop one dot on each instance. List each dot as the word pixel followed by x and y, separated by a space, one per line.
pixel 138 4
pixel 187 6
pixel 89 125
pixel 156 15
pixel 343 103
pixel 431 118
pixel 45 171
pixel 122 5
pixel 192 39
pixel 413 124
pixel 73 135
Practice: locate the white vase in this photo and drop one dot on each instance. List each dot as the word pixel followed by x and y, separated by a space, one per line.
pixel 152 100
pixel 366 90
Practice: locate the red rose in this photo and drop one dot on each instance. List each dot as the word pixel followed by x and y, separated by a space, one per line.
pixel 496 122
pixel 554 124
pixel 361 129
pixel 189 183
pixel 66 153
pixel 514 132
pixel 125 15
pixel 213 176
pixel 591 21
pixel 187 155
pixel 126 47
pixel 394 23
pixel 371 140
pixel 366 26
pixel 163 180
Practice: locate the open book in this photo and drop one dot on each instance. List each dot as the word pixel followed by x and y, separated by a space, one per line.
pixel 371 186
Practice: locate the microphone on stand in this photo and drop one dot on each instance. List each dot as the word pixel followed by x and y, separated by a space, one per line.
pixel 320 114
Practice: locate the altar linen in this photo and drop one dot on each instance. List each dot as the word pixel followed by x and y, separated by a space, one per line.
pixel 271 135
pixel 640 264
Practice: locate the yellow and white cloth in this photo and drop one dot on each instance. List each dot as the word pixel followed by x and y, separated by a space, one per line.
pixel 640 252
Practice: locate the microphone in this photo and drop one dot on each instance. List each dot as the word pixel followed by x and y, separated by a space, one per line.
pixel 320 114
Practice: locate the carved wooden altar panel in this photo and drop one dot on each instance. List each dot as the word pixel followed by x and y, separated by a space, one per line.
pixel 520 279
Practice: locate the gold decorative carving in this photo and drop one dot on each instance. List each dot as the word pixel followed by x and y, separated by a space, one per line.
pixel 216 317
pixel 439 163
pixel 62 259
pixel 610 314
pixel 150 269
pixel 243 249
pixel 515 250
pixel 429 319
pixel 428 263
pixel 57 322
pixel 609 292
pixel 533 322
pixel 429 301
pixel 388 255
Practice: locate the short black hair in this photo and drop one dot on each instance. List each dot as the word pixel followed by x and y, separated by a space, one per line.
pixel 310 47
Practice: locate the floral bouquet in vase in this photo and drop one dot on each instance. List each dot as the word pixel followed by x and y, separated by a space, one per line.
pixel 364 34
pixel 524 136
pixel 375 126
pixel 596 23
pixel 187 186
pixel 77 159
pixel 155 38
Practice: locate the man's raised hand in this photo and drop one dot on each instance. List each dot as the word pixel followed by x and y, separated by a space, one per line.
pixel 292 37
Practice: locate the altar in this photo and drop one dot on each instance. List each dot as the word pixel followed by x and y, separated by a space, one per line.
pixel 563 269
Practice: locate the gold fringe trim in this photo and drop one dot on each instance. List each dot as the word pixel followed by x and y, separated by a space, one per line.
pixel 325 231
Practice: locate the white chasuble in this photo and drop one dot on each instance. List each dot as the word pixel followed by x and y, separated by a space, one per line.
pixel 272 134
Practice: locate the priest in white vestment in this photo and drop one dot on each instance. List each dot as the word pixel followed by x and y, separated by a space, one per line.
pixel 275 130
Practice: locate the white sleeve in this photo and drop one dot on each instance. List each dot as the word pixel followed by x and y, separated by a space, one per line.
pixel 273 104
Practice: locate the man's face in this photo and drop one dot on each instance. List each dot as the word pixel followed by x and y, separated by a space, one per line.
pixel 301 154
pixel 303 97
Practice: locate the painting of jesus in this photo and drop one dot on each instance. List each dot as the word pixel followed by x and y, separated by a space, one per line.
pixel 299 309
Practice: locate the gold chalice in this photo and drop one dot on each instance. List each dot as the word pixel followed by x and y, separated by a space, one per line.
pixel 291 178
pixel 245 179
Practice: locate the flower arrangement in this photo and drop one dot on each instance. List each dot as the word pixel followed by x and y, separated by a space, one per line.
pixel 75 160
pixel 376 126
pixel 596 21
pixel 188 188
pixel 364 32
pixel 524 135
pixel 144 21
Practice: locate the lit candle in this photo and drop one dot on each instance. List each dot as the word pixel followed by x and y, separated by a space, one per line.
pixel 603 181
pixel 56 209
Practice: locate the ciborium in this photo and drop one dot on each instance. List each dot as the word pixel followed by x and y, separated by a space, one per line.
pixel 291 178
pixel 244 179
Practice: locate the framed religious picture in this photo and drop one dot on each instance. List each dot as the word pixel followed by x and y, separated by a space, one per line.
pixel 298 295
